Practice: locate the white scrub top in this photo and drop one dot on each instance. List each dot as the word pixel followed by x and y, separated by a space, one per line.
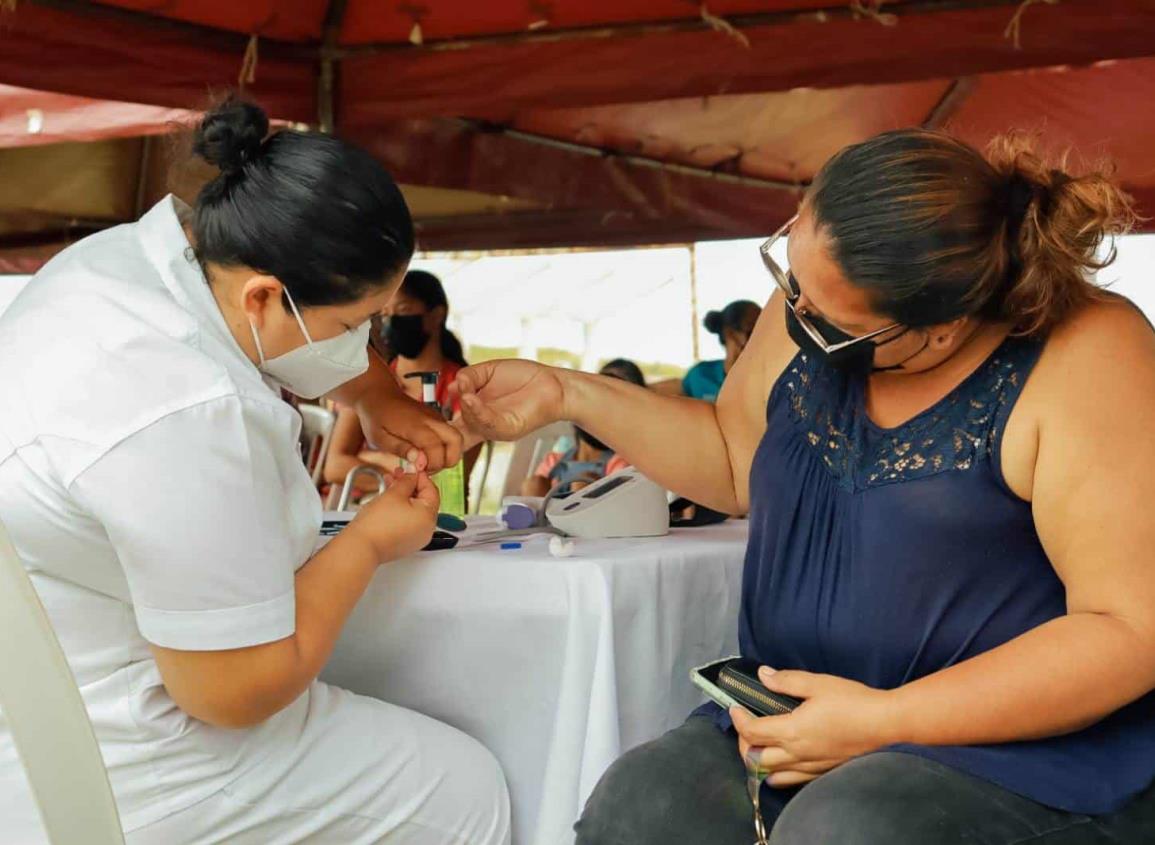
pixel 152 484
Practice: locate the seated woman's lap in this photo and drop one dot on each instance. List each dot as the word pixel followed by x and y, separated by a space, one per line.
pixel 690 786
pixel 363 771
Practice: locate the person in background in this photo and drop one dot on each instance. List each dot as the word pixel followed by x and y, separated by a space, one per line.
pixel 571 469
pixel 733 326
pixel 412 336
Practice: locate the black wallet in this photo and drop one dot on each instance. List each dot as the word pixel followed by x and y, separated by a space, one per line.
pixel 739 680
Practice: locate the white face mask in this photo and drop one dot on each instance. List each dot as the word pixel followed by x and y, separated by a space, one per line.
pixel 317 367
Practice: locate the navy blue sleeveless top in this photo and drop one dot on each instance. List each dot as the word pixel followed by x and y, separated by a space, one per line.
pixel 883 555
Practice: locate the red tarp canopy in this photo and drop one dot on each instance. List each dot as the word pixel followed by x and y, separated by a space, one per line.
pixel 554 122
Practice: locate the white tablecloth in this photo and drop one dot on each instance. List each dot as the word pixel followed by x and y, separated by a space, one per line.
pixel 557 665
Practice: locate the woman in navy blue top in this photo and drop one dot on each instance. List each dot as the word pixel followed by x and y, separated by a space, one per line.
pixel 942 432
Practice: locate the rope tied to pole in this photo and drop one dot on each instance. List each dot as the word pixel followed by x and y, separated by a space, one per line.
pixel 872 9
pixel 1015 27
pixel 248 74
pixel 720 24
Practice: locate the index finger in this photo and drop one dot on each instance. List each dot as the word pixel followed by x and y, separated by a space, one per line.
pixel 758 730
pixel 426 491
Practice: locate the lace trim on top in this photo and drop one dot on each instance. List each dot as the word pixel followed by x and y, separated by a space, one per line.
pixel 954 435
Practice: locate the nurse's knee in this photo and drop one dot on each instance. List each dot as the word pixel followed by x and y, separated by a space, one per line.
pixel 477 795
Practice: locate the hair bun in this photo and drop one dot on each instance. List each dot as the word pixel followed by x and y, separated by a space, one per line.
pixel 713 322
pixel 230 135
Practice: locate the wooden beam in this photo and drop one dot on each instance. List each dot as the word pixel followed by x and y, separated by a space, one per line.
pixel 502 80
pixel 454 154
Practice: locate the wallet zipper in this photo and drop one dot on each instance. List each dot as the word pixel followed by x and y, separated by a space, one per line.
pixel 760 697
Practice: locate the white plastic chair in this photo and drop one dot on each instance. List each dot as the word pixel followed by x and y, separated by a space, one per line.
pixel 43 709
pixel 528 453
pixel 317 425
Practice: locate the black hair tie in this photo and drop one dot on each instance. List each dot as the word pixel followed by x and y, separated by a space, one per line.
pixel 1020 193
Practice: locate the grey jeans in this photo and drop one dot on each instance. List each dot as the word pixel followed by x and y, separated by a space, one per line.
pixel 689 787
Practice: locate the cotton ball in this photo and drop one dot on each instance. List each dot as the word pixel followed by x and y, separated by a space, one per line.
pixel 560 547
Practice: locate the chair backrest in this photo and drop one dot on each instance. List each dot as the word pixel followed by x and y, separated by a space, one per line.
pixel 528 450
pixel 42 707
pixel 317 425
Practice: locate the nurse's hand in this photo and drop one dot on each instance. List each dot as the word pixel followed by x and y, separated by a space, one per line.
pixel 838 720
pixel 399 425
pixel 401 520
pixel 505 400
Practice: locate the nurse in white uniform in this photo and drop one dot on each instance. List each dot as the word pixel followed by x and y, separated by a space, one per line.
pixel 151 482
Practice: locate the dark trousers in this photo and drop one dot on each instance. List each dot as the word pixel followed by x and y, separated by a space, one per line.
pixel 689 787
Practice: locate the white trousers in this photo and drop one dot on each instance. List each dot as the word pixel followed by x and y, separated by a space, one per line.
pixel 369 772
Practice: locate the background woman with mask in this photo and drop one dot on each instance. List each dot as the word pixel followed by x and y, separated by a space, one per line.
pixel 170 527
pixel 413 339
pixel 941 430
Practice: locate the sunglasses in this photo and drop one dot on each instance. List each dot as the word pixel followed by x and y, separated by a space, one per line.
pixel 829 338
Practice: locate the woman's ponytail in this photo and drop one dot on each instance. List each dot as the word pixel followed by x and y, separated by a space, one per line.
pixel 1056 224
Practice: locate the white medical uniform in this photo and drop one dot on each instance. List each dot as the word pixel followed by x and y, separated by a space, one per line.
pixel 152 484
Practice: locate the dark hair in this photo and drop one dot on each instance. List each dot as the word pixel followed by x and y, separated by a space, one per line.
pixel 737 316
pixel 624 369
pixel 321 215
pixel 428 290
pixel 935 230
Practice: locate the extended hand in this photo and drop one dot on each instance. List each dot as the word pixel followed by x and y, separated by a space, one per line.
pixel 505 400
pixel 838 720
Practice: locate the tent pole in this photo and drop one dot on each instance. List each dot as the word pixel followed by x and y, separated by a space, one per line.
pixel 944 109
pixel 694 301
pixel 142 176
pixel 630 158
pixel 327 72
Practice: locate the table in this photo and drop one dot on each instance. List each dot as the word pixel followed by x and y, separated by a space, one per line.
pixel 558 666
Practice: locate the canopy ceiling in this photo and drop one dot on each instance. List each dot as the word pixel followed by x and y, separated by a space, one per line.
pixel 558 122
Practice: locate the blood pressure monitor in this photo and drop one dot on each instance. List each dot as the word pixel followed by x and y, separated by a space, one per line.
pixel 625 504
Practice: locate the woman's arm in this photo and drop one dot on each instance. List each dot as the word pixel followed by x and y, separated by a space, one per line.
pixel 241 687
pixel 699 450
pixel 1094 484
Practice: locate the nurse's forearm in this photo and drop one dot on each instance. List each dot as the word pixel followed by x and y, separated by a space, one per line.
pixel 243 687
pixel 675 441
pixel 378 379
pixel 1057 678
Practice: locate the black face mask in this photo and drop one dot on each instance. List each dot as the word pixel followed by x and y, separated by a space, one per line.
pixel 588 438
pixel 406 334
pixel 858 358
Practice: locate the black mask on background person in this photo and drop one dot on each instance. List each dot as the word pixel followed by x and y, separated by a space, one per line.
pixel 858 358
pixel 406 335
pixel 588 438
